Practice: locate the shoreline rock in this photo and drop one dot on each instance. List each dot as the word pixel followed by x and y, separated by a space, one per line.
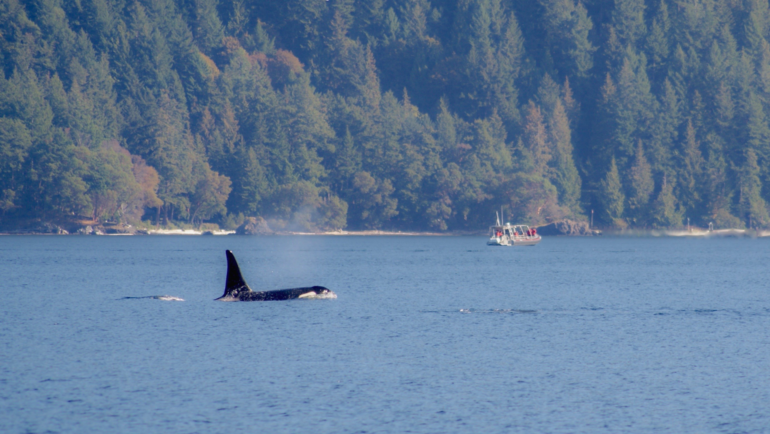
pixel 254 226
pixel 39 228
pixel 118 229
pixel 568 228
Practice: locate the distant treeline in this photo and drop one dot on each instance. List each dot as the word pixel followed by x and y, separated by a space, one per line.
pixel 392 114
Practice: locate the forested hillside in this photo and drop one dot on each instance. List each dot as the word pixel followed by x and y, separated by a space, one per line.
pixel 387 114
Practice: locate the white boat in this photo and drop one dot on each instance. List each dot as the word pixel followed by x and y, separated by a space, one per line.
pixel 512 235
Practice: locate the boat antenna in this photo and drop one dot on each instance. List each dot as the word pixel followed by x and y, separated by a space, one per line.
pixel 497 216
pixel 502 216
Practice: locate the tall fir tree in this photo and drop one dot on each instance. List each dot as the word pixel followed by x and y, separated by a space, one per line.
pixel 641 186
pixel 753 208
pixel 612 198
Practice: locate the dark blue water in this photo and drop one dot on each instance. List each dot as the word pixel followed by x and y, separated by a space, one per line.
pixel 428 335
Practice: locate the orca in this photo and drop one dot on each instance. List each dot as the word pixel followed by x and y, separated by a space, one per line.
pixel 236 288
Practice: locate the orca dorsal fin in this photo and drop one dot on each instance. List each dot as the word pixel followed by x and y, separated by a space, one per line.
pixel 234 278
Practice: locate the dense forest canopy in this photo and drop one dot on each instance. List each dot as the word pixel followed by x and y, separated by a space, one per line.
pixel 392 114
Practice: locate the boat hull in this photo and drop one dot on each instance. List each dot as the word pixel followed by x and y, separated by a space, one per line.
pixel 516 241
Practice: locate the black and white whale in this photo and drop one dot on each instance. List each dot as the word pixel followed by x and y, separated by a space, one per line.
pixel 236 288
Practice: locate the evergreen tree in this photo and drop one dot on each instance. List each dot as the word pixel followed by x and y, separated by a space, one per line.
pixel 753 208
pixel 536 139
pixel 658 41
pixel 612 198
pixel 628 20
pixel 691 173
pixel 664 130
pixel 718 197
pixel 565 175
pixel 368 20
pixel 568 26
pixel 208 29
pixel 666 214
pixel 15 142
pixel 348 162
pixel 758 132
pixel 641 186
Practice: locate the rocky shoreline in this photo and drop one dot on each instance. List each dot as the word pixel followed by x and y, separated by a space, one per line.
pixel 47 228
pixel 569 228
pixel 257 226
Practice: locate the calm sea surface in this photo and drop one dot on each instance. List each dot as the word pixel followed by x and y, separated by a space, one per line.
pixel 428 335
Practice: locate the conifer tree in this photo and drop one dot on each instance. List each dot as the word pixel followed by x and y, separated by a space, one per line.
pixel 753 208
pixel 536 139
pixel 348 162
pixel 666 213
pixel 612 198
pixel 691 173
pixel 628 112
pixel 664 130
pixel 565 175
pixel 368 20
pixel 657 41
pixel 57 98
pixel 628 20
pixel 602 143
pixel 15 143
pixel 641 186
pixel 446 132
pixel 568 26
pixel 758 137
pixel 250 187
pixel 718 197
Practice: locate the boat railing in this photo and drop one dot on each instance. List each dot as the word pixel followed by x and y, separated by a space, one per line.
pixel 513 232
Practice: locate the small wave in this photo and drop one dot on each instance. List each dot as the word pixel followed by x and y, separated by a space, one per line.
pixel 155 297
pixel 497 311
pixel 313 296
pixel 668 311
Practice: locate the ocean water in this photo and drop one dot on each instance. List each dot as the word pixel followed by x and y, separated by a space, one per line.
pixel 427 335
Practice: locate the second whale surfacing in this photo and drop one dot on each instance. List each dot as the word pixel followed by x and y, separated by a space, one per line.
pixel 236 288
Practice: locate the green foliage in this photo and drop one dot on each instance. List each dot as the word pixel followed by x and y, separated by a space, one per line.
pixel 15 142
pixel 568 25
pixel 753 208
pixel 612 197
pixel 691 173
pixel 210 195
pixel 641 187
pixel 665 211
pixel 371 203
pixel 412 114
pixel 564 174
pixel 112 186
